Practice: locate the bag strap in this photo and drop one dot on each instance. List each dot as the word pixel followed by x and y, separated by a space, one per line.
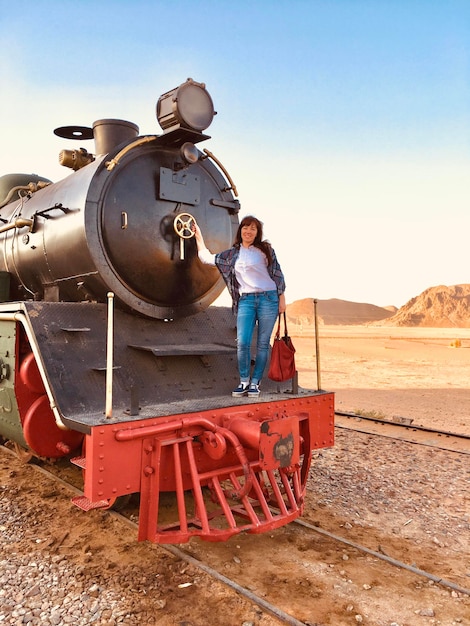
pixel 285 323
pixel 278 331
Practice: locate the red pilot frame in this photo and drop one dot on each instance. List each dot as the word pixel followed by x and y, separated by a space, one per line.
pixel 232 470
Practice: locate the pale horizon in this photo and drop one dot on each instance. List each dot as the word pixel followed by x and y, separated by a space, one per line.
pixel 344 126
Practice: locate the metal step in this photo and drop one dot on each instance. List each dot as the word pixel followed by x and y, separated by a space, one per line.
pixel 187 349
pixel 87 505
pixel 79 461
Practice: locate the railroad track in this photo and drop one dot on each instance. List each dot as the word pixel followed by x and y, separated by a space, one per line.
pixel 403 430
pixel 195 557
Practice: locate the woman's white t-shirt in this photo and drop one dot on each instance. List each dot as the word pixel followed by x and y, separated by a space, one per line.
pixel 251 269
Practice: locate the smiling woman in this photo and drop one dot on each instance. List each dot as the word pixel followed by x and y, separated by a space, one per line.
pixel 256 283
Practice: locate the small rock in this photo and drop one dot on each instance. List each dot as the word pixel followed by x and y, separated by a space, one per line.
pixel 94 591
pixel 425 613
pixel 34 591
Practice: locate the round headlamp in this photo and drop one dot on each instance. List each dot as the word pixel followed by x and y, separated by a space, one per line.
pixel 187 106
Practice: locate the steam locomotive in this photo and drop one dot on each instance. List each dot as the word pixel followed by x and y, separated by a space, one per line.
pixel 110 352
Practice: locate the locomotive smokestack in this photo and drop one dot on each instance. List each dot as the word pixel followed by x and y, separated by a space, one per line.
pixel 110 133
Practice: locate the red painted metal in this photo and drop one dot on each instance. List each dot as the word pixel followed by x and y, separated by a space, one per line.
pixel 257 484
pixel 30 375
pixel 42 434
pixel 40 429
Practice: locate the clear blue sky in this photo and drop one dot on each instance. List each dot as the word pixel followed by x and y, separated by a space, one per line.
pixel 345 124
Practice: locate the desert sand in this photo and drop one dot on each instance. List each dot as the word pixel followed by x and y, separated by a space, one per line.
pixel 416 372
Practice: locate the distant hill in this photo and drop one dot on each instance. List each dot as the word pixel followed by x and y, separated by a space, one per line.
pixel 436 307
pixel 334 311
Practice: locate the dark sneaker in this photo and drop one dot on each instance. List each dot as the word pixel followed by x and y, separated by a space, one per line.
pixel 240 390
pixel 253 390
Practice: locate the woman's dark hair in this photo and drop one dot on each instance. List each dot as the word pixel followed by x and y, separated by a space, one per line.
pixel 264 246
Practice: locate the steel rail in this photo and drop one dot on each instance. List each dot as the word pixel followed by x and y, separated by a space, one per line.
pixel 443 440
pixel 384 557
pixel 378 420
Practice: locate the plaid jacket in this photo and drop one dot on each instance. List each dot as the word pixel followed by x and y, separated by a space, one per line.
pixel 225 262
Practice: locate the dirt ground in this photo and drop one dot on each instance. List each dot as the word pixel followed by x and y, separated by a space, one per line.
pixel 421 373
pixel 409 502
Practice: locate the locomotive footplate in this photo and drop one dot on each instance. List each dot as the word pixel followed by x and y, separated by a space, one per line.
pixel 159 367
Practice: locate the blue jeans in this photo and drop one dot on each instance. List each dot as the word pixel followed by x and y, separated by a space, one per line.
pixel 263 308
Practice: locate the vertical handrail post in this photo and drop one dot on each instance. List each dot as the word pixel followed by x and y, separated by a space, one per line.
pixel 317 345
pixel 109 357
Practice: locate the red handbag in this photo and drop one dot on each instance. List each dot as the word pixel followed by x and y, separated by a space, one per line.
pixel 282 365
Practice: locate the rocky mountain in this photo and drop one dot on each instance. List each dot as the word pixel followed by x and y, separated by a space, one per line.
pixel 334 311
pixel 438 307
